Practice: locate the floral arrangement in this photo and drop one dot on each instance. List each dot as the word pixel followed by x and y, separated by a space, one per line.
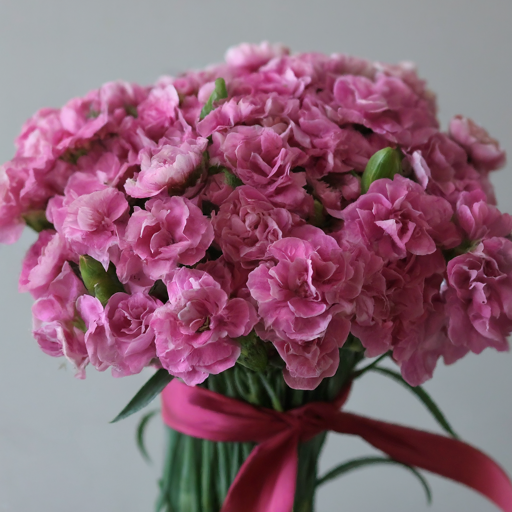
pixel 256 229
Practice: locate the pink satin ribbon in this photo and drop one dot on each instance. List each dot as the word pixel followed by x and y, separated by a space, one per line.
pixel 266 481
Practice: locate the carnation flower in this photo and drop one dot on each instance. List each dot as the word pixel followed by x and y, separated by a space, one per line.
pixel 247 224
pixel 169 231
pixel 397 217
pixel 119 336
pixel 479 296
pixel 196 330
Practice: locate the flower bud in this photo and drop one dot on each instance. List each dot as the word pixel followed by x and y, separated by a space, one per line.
pixel 99 283
pixel 384 164
pixel 254 354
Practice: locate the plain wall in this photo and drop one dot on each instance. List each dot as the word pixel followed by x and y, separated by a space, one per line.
pixel 57 451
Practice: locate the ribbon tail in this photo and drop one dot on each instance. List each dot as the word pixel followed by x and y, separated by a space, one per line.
pixel 266 481
pixel 441 455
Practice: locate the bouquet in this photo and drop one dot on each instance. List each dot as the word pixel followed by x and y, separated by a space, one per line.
pixel 256 231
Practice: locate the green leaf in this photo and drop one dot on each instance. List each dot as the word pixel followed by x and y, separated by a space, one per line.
pixel 384 164
pixel 422 395
pixel 99 282
pixel 147 393
pixel 143 423
pixel 369 461
pixel 219 93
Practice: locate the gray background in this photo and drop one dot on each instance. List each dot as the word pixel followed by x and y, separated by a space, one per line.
pixel 57 451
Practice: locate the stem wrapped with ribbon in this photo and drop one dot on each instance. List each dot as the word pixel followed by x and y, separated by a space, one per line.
pixel 266 482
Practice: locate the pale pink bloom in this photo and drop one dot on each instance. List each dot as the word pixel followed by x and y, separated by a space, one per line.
pixel 253 56
pixel 169 167
pixel 483 150
pixel 43 263
pixel 478 219
pixel 169 231
pixel 11 222
pixel 247 224
pixel 397 217
pixel 479 296
pixel 196 330
pixel 55 320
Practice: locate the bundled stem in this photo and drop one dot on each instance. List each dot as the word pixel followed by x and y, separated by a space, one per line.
pixel 198 473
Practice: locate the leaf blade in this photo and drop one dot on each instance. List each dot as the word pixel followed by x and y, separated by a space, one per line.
pixel 141 429
pixel 368 461
pixel 146 394
pixel 422 395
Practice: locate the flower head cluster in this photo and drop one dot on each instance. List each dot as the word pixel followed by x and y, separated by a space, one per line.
pixel 230 203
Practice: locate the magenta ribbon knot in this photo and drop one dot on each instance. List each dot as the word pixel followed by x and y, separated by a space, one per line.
pixel 267 479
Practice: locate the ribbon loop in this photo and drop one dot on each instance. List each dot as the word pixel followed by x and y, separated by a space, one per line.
pixel 266 481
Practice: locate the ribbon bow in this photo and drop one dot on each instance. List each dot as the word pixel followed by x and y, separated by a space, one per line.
pixel 267 479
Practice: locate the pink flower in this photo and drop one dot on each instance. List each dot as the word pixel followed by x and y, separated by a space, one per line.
pixel 479 219
pixel 247 224
pixel 309 362
pixel 55 320
pixel 296 288
pixel 484 151
pixel 387 106
pixel 197 328
pixel 169 231
pixel 43 263
pixel 171 168
pixel 91 223
pixel 120 335
pixel 253 56
pixel 260 157
pixel 397 217
pixel 479 296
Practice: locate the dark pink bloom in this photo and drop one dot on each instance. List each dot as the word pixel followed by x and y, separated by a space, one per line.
pixel 483 150
pixel 196 330
pixel 478 219
pixel 397 217
pixel 169 231
pixel 247 224
pixel 386 105
pixel 479 296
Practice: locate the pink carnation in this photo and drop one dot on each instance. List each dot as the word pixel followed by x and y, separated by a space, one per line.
pixel 247 224
pixel 169 167
pixel 197 328
pixel 479 296
pixel 55 320
pixel 253 56
pixel 43 263
pixel 387 106
pixel 479 219
pixel 397 217
pixel 92 222
pixel 484 151
pixel 120 335
pixel 169 231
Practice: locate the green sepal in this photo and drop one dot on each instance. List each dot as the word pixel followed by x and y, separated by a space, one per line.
pixel 383 164
pixel 254 353
pixel 146 394
pixel 219 93
pixel 422 395
pixel 369 461
pixel 319 214
pixel 37 220
pixel 141 429
pixel 100 283
pixel 232 180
